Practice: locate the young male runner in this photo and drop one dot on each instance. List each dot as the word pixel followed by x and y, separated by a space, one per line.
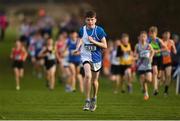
pixel 144 53
pixel 92 42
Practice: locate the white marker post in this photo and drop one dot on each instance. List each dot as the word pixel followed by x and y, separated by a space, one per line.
pixel 177 75
pixel 177 84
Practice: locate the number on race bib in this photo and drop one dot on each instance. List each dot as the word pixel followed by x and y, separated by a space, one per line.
pixel 165 53
pixel 90 47
pixel 51 57
pixel 126 56
pixel 144 54
pixel 17 57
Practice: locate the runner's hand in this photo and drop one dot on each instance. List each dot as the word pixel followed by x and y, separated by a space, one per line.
pixel 90 39
pixel 75 52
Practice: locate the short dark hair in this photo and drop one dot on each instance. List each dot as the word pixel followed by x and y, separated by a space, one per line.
pixel 153 29
pixel 72 31
pixel 124 35
pixel 175 36
pixel 90 14
pixel 143 32
pixel 167 32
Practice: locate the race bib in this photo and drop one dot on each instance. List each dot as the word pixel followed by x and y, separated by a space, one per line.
pixel 144 54
pixel 165 53
pixel 39 45
pixel 17 57
pixel 126 56
pixel 51 57
pixel 32 53
pixel 90 47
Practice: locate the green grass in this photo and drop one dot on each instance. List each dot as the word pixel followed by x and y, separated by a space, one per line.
pixel 35 101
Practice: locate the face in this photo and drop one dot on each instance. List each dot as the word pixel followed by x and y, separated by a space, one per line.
pixel 61 38
pixel 50 42
pixel 64 34
pixel 143 37
pixel 46 36
pixel 125 40
pixel 37 36
pixel 153 35
pixel 74 36
pixel 18 44
pixel 176 39
pixel 90 22
pixel 166 35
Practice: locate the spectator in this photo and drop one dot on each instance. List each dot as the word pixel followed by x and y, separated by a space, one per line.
pixel 176 57
pixel 3 25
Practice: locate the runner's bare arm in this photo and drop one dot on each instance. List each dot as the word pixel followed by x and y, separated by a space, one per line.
pixel 56 53
pixel 136 55
pixel 163 46
pixel 76 51
pixel 152 52
pixel 26 54
pixel 42 53
pixel 11 55
pixel 173 47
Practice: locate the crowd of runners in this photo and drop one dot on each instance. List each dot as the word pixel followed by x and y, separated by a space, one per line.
pixel 77 56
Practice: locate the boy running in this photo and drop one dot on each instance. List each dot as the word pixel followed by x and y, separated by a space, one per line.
pixel 167 60
pixel 156 44
pixel 92 42
pixel 62 60
pixel 115 65
pixel 74 62
pixel 144 54
pixel 125 55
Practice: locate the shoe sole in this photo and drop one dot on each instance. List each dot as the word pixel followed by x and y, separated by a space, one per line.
pixel 86 109
pixel 92 110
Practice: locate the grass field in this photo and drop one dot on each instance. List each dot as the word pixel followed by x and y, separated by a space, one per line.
pixel 35 101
